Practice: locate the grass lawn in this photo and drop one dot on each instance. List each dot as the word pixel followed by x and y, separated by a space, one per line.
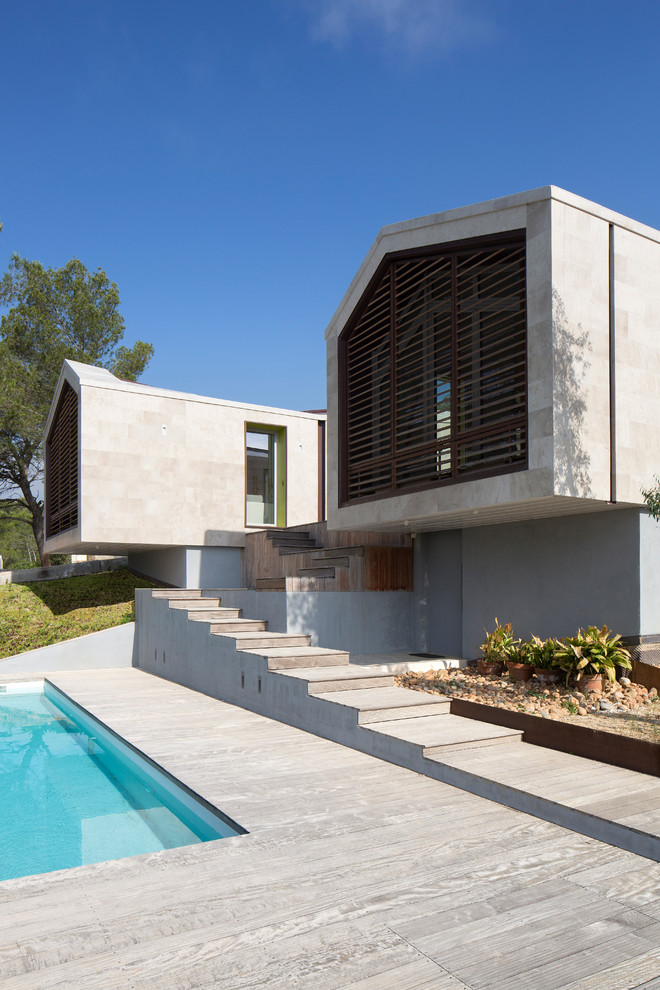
pixel 34 615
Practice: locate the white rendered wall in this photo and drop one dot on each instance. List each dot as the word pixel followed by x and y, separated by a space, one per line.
pixel 106 648
pixel 191 567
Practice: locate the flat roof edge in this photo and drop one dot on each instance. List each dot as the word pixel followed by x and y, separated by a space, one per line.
pixel 498 205
pixel 89 376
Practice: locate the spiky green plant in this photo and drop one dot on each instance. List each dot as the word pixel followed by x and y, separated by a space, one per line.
pixel 592 652
pixel 498 644
pixel 519 653
pixel 543 653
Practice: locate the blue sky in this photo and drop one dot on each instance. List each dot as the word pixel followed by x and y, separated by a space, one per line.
pixel 228 164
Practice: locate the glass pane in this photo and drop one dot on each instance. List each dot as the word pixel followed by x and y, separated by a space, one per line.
pixel 260 490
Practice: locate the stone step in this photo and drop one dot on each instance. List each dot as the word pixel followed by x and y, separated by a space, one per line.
pixel 288 658
pixel 268 640
pixel 322 680
pixel 226 626
pixel 389 704
pixel 199 605
pixel 440 734
pixel 270 584
pixel 176 593
pixel 211 614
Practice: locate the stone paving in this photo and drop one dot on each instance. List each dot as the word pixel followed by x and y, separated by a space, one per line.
pixel 557 702
pixel 355 875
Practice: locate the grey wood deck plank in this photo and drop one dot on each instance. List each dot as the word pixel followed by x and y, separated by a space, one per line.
pixel 353 869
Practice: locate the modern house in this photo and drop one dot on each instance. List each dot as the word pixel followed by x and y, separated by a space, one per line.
pixel 175 481
pixel 494 391
pixel 493 399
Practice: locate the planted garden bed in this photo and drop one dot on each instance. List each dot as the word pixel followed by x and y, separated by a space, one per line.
pixel 620 726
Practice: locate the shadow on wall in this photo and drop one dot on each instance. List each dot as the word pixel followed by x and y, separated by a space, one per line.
pixel 357 621
pixel 572 348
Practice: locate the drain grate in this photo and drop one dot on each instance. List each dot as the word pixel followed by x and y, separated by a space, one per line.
pixel 430 656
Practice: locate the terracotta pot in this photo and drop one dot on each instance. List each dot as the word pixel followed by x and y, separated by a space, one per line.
pixel 547 677
pixel 488 667
pixel 590 682
pixel 519 671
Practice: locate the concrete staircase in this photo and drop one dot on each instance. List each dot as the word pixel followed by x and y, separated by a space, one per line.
pixel 188 637
pixel 411 722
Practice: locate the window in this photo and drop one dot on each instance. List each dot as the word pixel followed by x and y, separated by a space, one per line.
pixel 265 481
pixel 62 465
pixel 433 370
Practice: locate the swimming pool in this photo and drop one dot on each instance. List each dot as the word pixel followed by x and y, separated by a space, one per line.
pixel 72 792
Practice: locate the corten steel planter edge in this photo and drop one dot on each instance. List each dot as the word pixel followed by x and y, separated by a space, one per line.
pixel 593 744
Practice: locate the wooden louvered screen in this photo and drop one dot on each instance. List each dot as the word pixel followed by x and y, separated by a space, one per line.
pixel 433 370
pixel 62 465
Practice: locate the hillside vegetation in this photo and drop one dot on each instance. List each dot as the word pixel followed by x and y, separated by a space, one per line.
pixel 46 612
pixel 17 545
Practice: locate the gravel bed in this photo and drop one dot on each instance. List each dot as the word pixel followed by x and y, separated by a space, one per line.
pixel 623 707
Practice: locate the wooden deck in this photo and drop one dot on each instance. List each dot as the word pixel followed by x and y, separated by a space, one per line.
pixel 356 874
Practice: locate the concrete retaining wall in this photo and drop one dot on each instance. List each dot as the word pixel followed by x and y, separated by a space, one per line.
pixel 172 647
pixel 361 622
pixel 546 576
pixel 107 648
pixel 58 571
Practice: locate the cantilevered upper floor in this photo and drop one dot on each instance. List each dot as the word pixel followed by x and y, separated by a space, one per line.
pixel 131 468
pixel 494 363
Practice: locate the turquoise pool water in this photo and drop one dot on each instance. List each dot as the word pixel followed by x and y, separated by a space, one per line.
pixel 71 792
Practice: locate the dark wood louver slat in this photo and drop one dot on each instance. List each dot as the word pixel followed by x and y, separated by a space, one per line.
pixel 491 343
pixel 433 370
pixel 422 306
pixel 368 388
pixel 62 466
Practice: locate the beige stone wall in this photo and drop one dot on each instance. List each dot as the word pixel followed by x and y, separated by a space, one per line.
pixel 637 301
pixel 580 365
pixel 568 365
pixel 580 266
pixel 167 469
pixel 472 502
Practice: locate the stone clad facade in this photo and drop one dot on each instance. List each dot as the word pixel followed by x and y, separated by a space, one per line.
pixel 591 402
pixel 163 473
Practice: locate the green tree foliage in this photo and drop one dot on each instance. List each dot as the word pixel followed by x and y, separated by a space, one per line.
pixel 17 546
pixel 52 314
pixel 652 498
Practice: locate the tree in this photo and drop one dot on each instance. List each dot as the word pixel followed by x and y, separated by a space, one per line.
pixel 55 313
pixel 652 498
pixel 17 546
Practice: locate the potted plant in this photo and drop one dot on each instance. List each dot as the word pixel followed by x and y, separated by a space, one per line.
pixel 519 662
pixel 589 656
pixel 543 657
pixel 495 649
